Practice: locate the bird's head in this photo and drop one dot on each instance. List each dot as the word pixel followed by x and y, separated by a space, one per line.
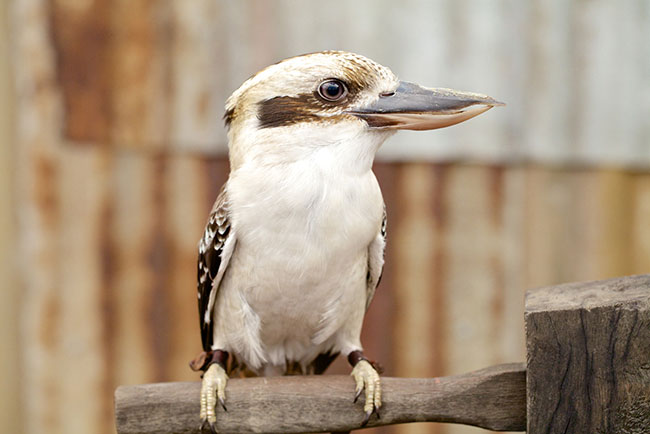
pixel 335 98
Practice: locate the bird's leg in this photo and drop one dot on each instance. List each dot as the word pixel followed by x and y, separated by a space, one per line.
pixel 213 387
pixel 366 378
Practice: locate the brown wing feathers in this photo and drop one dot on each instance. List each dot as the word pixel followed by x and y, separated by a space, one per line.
pixel 216 232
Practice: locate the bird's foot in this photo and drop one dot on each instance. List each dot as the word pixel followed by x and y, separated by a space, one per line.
pixel 213 387
pixel 367 378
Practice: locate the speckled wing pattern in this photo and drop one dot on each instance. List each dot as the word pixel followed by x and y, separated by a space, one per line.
pixel 376 261
pixel 215 250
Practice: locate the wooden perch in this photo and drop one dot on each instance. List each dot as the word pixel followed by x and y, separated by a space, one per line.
pixel 492 398
pixel 588 371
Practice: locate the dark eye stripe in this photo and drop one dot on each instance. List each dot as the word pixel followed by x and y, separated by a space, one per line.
pixel 286 110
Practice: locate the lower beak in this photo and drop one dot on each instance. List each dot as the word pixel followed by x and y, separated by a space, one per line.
pixel 413 107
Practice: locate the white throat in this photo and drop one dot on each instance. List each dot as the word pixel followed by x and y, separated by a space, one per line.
pixel 350 143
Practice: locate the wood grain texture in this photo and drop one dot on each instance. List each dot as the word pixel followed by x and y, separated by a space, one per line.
pixel 493 398
pixel 589 356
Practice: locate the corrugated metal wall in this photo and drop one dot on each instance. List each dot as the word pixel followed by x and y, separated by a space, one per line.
pixel 113 153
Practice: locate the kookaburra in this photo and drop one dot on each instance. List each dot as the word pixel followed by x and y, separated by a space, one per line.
pixel 294 246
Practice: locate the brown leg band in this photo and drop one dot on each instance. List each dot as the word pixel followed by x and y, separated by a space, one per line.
pixel 356 356
pixel 203 361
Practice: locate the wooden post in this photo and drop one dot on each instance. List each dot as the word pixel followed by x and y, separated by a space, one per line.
pixel 492 398
pixel 588 350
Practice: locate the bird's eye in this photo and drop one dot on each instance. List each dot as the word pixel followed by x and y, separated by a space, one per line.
pixel 332 90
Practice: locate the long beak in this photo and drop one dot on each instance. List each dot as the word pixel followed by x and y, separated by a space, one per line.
pixel 413 107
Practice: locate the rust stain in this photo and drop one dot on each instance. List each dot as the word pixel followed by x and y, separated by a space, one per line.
pixel 81 40
pixel 439 274
pixel 377 335
pixel 496 180
pixel 141 73
pixel 49 323
pixel 46 177
pixel 217 169
pixel 45 195
pixel 497 305
pixel 108 307
pixel 203 104
pixel 496 184
pixel 496 175
pixel 50 416
pixel 440 184
pixel 155 319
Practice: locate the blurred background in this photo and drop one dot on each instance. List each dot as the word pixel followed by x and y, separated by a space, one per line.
pixel 113 149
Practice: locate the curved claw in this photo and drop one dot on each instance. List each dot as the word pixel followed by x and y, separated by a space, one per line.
pixel 366 418
pixel 213 387
pixel 367 378
pixel 204 425
pixel 357 395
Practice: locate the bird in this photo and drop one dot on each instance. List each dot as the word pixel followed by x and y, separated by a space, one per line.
pixel 293 249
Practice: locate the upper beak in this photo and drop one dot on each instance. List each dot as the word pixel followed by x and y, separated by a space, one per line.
pixel 413 107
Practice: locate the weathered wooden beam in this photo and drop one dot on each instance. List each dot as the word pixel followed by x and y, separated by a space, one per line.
pixel 492 398
pixel 589 357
